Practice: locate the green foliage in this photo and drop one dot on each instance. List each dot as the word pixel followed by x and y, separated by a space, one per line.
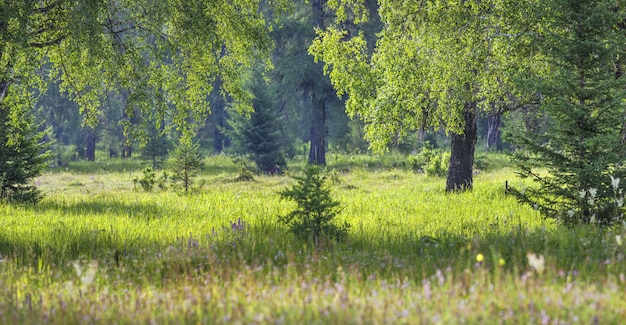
pixel 187 160
pixel 245 171
pixel 481 162
pixel 147 180
pixel 582 91
pixel 431 161
pixel 313 217
pixel 155 145
pixel 354 140
pixel 168 52
pixel 23 155
pixel 66 154
pixel 423 70
pixel 440 68
pixel 259 135
pixel 163 180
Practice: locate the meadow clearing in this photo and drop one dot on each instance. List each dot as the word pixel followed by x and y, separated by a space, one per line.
pixel 98 250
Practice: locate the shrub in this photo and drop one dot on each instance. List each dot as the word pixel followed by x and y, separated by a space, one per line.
pixel 431 161
pixel 147 180
pixel 316 209
pixel 245 172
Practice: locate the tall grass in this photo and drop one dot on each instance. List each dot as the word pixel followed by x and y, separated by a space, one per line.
pixel 98 251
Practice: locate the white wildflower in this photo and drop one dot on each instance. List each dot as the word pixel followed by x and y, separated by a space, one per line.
pixel 582 193
pixel 615 182
pixel 593 192
pixel 87 275
pixel 536 262
pixel 570 213
pixel 618 239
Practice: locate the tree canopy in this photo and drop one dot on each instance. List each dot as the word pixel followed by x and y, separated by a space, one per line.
pixel 430 59
pixel 435 63
pixel 164 52
pixel 581 46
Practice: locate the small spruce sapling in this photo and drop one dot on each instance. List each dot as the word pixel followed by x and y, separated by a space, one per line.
pixel 316 209
pixel 147 180
pixel 187 161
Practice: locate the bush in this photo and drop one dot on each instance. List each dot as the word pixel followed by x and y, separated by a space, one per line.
pixel 245 172
pixel 148 179
pixel 434 162
pixel 316 209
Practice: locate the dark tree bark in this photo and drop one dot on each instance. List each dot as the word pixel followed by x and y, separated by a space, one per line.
pixel 317 153
pixel 127 148
pixel 219 115
pixel 90 145
pixel 4 89
pixel 493 131
pixel 220 140
pixel 462 153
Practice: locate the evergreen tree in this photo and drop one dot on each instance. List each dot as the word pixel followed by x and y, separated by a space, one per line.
pixel 156 147
pixel 313 219
pixel 23 154
pixel 580 46
pixel 187 161
pixel 259 136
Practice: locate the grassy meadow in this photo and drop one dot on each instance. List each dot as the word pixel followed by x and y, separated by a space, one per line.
pixel 99 250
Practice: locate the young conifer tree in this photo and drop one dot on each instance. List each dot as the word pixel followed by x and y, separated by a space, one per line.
pixel 187 160
pixel 156 145
pixel 23 154
pixel 580 48
pixel 260 136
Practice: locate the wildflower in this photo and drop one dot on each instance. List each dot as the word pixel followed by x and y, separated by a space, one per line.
pixel 592 195
pixel 480 258
pixel 582 193
pixel 614 182
pixel 501 262
pixel 618 239
pixel 536 262
pixel 86 275
pixel 570 213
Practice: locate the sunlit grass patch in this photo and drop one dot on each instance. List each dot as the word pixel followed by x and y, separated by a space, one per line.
pixel 97 250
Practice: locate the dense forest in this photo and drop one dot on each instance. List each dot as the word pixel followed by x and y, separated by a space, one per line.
pixel 296 111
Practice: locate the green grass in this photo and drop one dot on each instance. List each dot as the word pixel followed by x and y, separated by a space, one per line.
pixel 97 251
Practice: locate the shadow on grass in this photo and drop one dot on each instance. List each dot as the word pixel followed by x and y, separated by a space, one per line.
pixel 587 251
pixel 584 251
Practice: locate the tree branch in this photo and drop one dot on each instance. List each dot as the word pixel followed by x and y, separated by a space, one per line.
pixel 56 41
